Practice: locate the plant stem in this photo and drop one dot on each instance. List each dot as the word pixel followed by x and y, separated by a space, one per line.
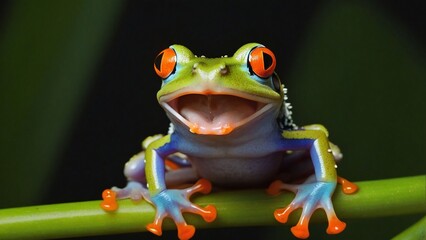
pixel 414 232
pixel 379 198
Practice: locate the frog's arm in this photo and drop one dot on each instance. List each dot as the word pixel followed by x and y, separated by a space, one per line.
pixel 155 154
pixel 320 151
pixel 310 195
pixel 172 202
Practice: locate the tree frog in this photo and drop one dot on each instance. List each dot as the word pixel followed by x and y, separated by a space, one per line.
pixel 231 125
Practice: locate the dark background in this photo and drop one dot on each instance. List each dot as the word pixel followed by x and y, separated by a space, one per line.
pixel 355 66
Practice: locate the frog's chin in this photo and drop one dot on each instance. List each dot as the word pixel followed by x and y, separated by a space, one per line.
pixel 215 113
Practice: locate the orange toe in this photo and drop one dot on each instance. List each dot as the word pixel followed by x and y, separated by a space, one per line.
pixel 109 202
pixel 335 226
pixel 154 228
pixel 185 232
pixel 204 186
pixel 281 214
pixel 274 188
pixel 210 214
pixel 347 186
pixel 300 231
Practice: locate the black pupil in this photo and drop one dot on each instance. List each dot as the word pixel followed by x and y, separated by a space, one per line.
pixel 267 60
pixel 157 61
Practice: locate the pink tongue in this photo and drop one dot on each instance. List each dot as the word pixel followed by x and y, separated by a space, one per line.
pixel 215 111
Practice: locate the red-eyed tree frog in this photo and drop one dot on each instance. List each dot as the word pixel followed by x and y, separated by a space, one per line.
pixel 231 125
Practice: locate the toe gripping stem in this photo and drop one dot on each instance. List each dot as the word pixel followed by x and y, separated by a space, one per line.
pixel 304 199
pixel 348 187
pixel 134 190
pixel 109 202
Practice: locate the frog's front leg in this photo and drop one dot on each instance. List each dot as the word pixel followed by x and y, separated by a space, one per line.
pixel 172 202
pixel 310 195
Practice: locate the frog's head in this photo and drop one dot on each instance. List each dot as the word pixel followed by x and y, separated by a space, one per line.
pixel 214 96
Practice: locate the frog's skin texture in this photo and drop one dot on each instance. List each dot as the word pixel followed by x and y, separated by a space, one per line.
pixel 230 125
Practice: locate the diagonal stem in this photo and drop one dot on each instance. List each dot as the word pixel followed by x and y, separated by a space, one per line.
pixel 414 232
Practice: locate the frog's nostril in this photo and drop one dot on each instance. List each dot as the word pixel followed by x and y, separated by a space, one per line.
pixel 194 67
pixel 224 70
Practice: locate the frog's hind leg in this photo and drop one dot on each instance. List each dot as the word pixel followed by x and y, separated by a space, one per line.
pixel 134 170
pixel 135 189
pixel 179 172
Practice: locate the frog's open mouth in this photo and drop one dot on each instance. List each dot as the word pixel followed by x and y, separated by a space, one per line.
pixel 214 114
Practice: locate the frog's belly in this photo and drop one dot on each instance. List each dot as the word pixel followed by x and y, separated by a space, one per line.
pixel 241 172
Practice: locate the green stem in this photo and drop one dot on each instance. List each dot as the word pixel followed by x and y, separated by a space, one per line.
pixel 235 208
pixel 415 232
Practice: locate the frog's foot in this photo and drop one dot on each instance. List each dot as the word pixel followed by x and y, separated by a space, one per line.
pixel 172 202
pixel 309 196
pixel 134 190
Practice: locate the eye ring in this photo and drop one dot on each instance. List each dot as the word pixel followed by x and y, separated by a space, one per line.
pixel 165 63
pixel 262 62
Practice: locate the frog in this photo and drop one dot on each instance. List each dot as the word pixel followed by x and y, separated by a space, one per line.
pixel 231 126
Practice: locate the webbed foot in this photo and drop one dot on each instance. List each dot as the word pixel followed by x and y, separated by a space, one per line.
pixel 309 196
pixel 173 202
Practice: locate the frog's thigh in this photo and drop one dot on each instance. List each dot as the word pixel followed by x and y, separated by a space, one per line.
pixel 134 170
pixel 181 176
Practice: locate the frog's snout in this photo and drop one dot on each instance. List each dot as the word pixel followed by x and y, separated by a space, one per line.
pixel 209 73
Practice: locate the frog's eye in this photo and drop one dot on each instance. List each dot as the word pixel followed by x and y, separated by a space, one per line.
pixel 261 62
pixel 165 63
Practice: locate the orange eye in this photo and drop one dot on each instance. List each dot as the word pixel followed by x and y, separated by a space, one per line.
pixel 262 62
pixel 165 63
